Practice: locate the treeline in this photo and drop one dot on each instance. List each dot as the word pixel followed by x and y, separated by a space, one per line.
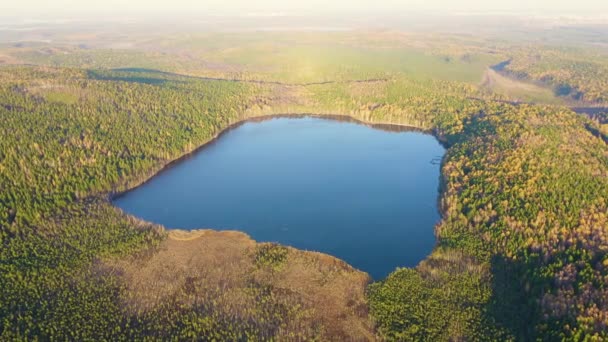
pixel 523 244
pixel 73 137
pixel 572 73
pixel 522 247
pixel 55 152
pixel 59 160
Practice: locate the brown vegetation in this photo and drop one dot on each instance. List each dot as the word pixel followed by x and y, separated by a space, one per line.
pixel 323 296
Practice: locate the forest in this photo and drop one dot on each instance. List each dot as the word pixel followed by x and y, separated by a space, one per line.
pixel 522 246
pixel 575 74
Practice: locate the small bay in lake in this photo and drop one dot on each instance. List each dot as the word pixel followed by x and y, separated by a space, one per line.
pixel 365 195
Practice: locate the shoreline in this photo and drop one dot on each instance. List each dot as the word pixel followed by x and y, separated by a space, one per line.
pixel 385 126
pixel 184 235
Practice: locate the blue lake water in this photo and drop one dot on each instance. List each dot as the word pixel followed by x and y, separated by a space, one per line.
pixel 365 195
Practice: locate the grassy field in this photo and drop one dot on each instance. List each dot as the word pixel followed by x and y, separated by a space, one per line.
pixel 277 289
pixel 289 58
pixel 519 91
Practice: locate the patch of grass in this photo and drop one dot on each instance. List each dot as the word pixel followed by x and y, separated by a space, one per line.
pixel 519 90
pixel 210 283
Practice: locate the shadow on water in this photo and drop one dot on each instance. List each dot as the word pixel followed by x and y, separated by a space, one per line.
pixel 311 184
pixel 394 128
pixel 391 128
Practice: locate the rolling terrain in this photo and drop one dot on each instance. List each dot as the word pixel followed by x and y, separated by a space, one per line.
pixel 522 249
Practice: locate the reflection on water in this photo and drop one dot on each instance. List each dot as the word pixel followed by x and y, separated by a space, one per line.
pixel 365 195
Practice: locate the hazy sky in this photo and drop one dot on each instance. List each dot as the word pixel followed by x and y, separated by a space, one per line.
pixel 59 7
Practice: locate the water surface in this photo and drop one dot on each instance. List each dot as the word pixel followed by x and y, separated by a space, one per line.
pixel 365 195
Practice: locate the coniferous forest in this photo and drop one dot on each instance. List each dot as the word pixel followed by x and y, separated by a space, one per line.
pixel 522 244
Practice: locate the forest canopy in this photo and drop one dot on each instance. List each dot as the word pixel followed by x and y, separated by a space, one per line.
pixel 522 244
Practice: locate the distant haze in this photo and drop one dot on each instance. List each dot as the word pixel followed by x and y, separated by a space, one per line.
pixel 41 8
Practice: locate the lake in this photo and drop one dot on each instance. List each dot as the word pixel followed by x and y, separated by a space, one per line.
pixel 365 195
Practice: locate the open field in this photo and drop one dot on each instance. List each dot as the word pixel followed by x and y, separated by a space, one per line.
pixel 283 292
pixel 290 58
pixel 519 91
